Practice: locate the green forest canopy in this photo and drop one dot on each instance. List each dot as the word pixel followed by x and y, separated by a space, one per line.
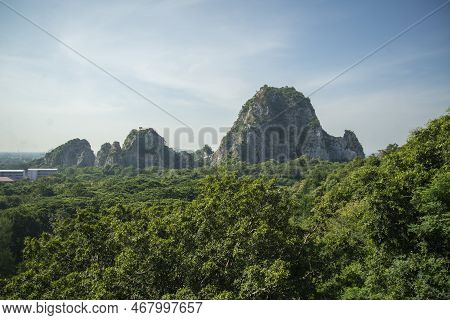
pixel 377 228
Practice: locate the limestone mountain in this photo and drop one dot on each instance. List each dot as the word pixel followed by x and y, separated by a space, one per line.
pixel 109 154
pixel 281 124
pixel 76 152
pixel 203 156
pixel 145 148
pixel 275 124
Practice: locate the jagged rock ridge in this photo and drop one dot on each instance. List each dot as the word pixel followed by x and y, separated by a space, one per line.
pixel 275 124
pixel 109 154
pixel 74 152
pixel 145 148
pixel 281 124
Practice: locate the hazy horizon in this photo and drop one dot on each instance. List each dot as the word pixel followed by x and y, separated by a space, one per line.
pixel 201 60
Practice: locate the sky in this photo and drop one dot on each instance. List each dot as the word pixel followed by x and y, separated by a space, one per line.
pixel 200 60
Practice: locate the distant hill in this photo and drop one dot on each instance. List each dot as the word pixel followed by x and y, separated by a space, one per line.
pixel 146 148
pixel 75 152
pixel 17 160
pixel 275 124
pixel 281 124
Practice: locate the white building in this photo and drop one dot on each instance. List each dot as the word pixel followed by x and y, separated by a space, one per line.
pixel 6 179
pixel 13 174
pixel 33 174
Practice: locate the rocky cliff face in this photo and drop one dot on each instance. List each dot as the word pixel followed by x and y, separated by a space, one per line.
pixel 281 124
pixel 75 152
pixel 276 124
pixel 109 155
pixel 143 149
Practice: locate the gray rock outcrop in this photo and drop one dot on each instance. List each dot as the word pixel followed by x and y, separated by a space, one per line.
pixel 146 148
pixel 109 155
pixel 76 152
pixel 281 124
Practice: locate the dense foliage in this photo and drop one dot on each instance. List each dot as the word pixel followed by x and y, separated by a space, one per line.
pixel 377 228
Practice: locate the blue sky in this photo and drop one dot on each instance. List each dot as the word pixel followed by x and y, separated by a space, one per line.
pixel 201 60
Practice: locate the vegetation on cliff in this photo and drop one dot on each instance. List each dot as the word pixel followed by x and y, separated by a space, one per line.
pixel 374 228
pixel 75 152
pixel 281 124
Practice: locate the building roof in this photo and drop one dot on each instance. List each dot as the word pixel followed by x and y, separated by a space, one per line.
pixel 12 171
pixel 6 179
pixel 43 169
